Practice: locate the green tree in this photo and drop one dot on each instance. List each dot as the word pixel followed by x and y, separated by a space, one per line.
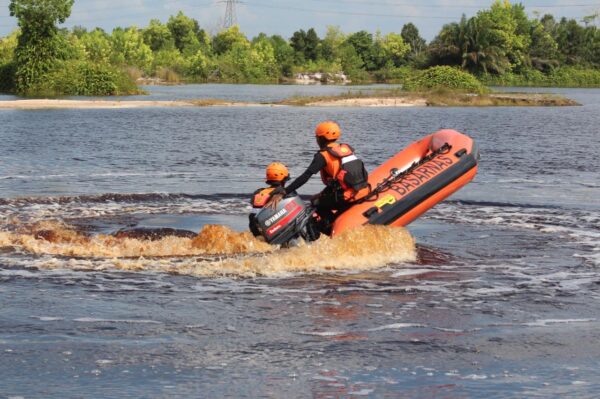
pixel 362 42
pixel 263 55
pixel 519 54
pixel 7 47
pixel 307 45
pixel 380 56
pixel 158 36
pixel 185 33
pixel 418 45
pixel 273 52
pixel 245 63
pixel 7 66
pixel 200 66
pixel 448 46
pixel 495 40
pixel 504 31
pixel 298 43
pixel 171 58
pixel 395 48
pixel 482 49
pixel 543 50
pixel 351 62
pixel 96 46
pixel 284 54
pixel 577 45
pixel 225 40
pixel 595 47
pixel 205 41
pixel 129 48
pixel 312 49
pixel 331 43
pixel 39 45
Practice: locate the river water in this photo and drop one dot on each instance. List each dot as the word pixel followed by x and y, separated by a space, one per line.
pixel 494 292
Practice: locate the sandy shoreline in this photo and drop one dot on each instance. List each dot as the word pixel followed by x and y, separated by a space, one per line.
pixel 109 104
pixel 87 104
pixel 372 102
pixel 495 99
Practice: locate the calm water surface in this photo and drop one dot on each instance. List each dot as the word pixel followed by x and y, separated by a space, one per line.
pixel 502 301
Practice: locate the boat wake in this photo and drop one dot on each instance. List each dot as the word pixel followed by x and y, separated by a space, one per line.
pixel 215 251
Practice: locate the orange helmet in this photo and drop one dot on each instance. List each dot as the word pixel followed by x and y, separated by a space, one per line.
pixel 277 172
pixel 329 130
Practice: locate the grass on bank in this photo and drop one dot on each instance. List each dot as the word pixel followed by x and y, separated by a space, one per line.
pixel 559 77
pixel 440 86
pixel 209 102
pixel 438 98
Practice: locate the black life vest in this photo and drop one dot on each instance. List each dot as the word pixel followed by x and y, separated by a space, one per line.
pixel 343 166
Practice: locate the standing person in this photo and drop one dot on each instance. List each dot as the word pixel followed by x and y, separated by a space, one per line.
pixel 344 176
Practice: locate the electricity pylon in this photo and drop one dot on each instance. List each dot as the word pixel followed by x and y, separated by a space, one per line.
pixel 230 18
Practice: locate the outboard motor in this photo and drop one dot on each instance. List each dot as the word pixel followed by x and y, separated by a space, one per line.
pixel 292 219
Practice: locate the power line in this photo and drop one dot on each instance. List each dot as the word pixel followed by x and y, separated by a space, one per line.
pixel 338 12
pixel 368 14
pixel 480 7
pixel 230 15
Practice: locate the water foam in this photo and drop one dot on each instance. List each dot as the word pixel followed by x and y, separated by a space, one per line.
pixel 222 251
pixel 57 238
pixel 581 227
pixel 106 205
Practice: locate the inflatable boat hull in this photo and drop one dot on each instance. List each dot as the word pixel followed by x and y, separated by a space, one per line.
pixel 413 181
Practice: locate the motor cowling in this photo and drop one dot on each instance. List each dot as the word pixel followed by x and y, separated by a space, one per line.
pixel 288 221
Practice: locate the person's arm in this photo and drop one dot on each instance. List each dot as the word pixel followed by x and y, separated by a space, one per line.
pixel 316 165
pixel 253 225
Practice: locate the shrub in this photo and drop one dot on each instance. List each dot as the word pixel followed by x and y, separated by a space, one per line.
pixel 200 67
pixel 244 63
pixel 444 77
pixel 81 78
pixel 575 77
pixel 7 77
pixel 134 73
pixel 392 74
pixel 168 75
pixel 560 77
pixel 171 59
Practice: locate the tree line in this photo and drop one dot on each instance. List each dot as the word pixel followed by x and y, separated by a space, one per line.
pixel 495 44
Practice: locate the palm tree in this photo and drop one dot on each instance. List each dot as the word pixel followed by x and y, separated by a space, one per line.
pixel 480 53
pixel 447 47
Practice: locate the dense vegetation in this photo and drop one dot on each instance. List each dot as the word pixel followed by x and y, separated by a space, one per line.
pixel 500 45
pixel 443 77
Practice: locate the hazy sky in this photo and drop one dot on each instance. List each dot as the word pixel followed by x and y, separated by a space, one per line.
pixel 286 16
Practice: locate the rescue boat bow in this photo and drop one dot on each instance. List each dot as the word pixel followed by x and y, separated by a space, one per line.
pixel 414 180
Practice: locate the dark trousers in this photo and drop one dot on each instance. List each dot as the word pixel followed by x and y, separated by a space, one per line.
pixel 329 200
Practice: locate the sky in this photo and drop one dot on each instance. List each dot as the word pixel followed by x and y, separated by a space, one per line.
pixel 283 17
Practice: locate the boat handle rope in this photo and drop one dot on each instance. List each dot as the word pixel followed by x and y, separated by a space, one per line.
pixel 397 176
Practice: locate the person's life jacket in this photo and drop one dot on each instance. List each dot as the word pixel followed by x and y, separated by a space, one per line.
pixel 344 167
pixel 261 197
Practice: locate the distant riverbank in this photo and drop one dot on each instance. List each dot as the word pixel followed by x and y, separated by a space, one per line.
pixel 350 99
pixel 107 104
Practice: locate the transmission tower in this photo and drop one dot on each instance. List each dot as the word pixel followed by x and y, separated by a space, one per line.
pixel 230 18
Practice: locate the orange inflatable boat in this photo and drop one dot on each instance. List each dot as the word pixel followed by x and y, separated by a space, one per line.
pixel 413 181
